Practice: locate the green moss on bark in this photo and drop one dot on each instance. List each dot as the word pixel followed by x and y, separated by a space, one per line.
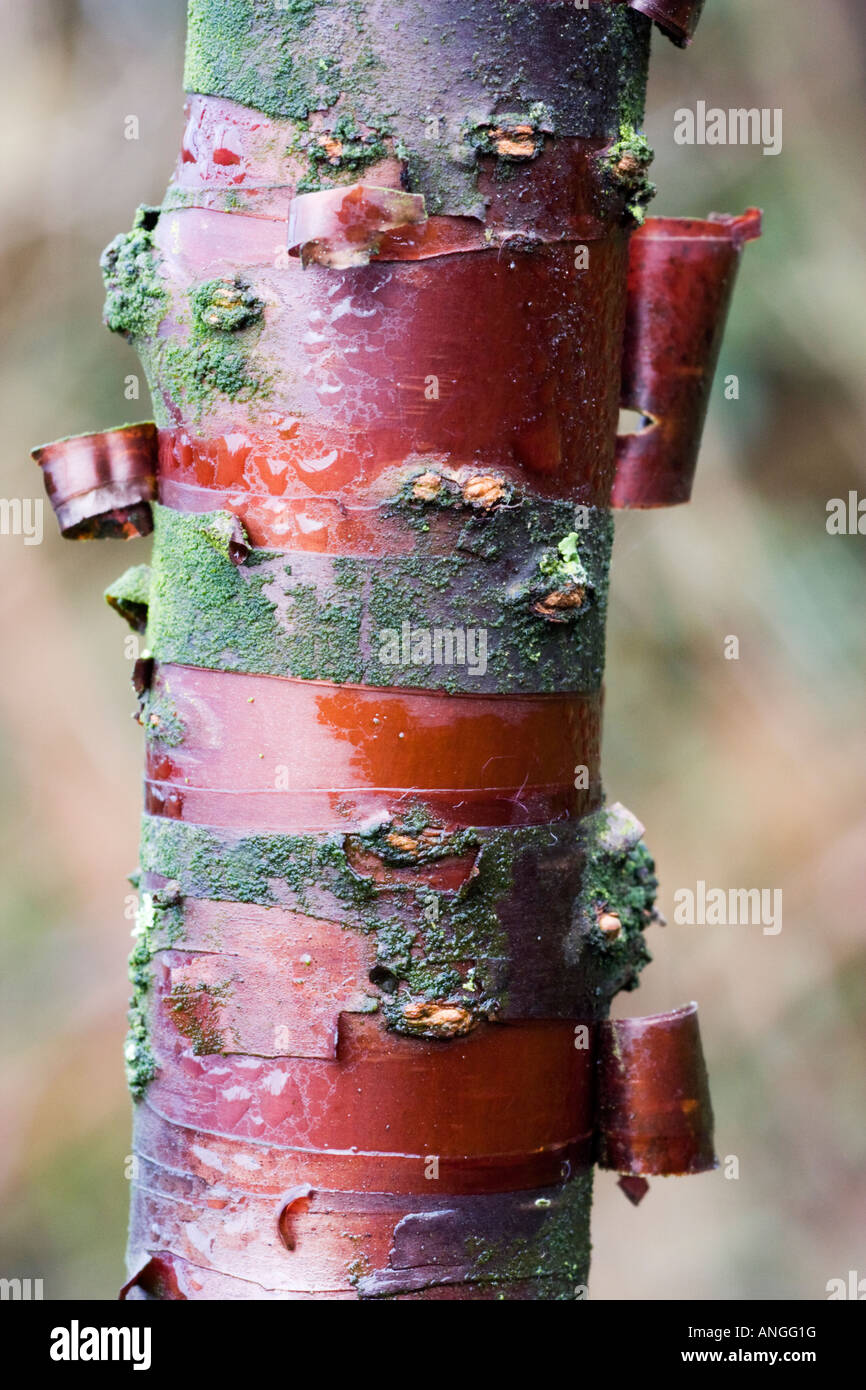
pixel 138 1053
pixel 227 305
pixel 130 596
pixel 160 718
pixel 136 299
pixel 626 165
pixel 343 620
pixel 557 1256
pixel 620 880
pixel 207 612
pixel 211 354
pixel 197 1016
pixel 426 79
pixel 438 946
pixel 252 51
pixel 196 370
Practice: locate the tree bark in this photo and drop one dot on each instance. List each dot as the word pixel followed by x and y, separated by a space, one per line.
pixel 384 909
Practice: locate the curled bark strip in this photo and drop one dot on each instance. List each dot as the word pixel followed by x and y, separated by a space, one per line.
pixel 681 279
pixel 101 485
pixel 295 1202
pixel 678 18
pixel 238 544
pixel 142 674
pixel 654 1111
pixel 160 1279
pixel 343 227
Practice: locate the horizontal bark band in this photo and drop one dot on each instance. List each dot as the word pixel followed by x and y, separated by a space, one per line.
pixel 440 236
pixel 318 523
pixel 296 463
pixel 516 606
pixel 346 808
pixel 570 195
pixel 460 928
pixel 408 336
pixel 314 523
pixel 582 68
pixel 271 1169
pixel 335 1242
pixel 387 1094
pixel 168 1277
pixel 248 980
pixel 240 757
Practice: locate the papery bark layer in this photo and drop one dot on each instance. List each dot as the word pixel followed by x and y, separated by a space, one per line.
pixel 384 906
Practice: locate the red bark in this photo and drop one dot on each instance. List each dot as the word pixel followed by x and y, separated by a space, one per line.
pixel 369 1042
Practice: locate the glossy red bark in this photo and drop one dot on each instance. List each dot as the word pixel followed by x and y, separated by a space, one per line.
pixel 489 360
pixel 481 761
pixel 654 1114
pixel 101 485
pixel 680 282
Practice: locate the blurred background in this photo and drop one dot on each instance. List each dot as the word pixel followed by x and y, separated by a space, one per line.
pixel 747 773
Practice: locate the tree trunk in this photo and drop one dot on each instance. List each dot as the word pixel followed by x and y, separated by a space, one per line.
pixel 384 910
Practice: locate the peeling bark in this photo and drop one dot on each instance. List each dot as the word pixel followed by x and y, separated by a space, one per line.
pixel 384 909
